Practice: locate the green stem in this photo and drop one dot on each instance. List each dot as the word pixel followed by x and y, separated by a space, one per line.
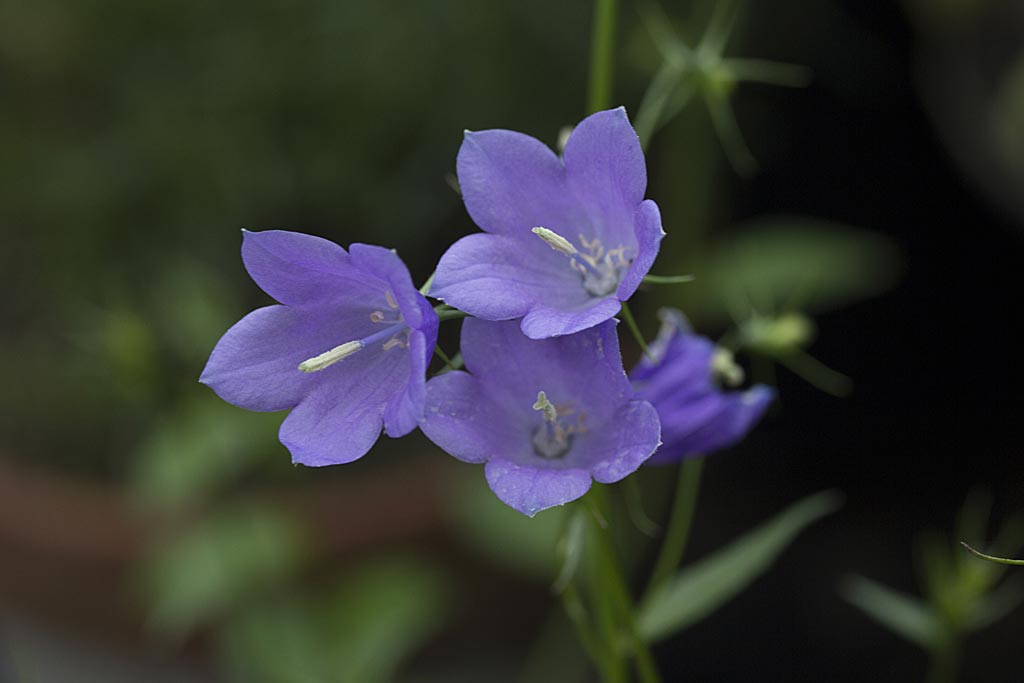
pixel 602 43
pixel 449 313
pixel 992 558
pixel 615 587
pixel 668 279
pixel 443 356
pixel 572 602
pixel 426 285
pixel 817 373
pixel 627 315
pixel 677 533
pixel 944 663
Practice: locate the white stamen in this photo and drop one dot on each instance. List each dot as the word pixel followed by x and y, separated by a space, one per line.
pixel 556 241
pixel 377 316
pixel 329 358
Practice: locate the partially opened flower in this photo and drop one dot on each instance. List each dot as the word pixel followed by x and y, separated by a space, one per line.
pixel 683 384
pixel 545 416
pixel 565 241
pixel 348 349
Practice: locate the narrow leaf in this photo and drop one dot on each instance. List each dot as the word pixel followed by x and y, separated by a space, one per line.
pixel 698 590
pixel 902 614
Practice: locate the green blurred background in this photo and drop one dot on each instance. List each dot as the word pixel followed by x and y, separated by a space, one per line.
pixel 150 532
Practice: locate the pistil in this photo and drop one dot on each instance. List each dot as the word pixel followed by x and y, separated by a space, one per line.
pixel 343 351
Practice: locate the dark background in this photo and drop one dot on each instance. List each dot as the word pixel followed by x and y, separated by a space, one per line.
pixel 138 137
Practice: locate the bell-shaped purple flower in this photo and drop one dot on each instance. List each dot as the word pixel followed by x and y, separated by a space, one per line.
pixel 347 349
pixel 565 239
pixel 697 416
pixel 545 416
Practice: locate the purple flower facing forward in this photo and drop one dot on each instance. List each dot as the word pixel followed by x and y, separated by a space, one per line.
pixel 697 417
pixel 565 241
pixel 348 349
pixel 546 416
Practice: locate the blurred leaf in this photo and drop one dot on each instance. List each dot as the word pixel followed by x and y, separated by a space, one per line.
pixel 569 549
pixel 902 614
pixel 498 532
pixel 190 454
pixel 699 589
pixel 358 632
pixel 786 263
pixel 999 603
pixel 218 565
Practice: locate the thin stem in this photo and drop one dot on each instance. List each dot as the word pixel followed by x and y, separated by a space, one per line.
pixel 944 663
pixel 572 602
pixel 449 313
pixel 627 315
pixel 677 533
pixel 602 44
pixel 817 373
pixel 724 121
pixel 617 590
pixel 439 352
pixel 426 285
pixel 651 114
pixel 992 558
pixel 668 279
pixel 768 72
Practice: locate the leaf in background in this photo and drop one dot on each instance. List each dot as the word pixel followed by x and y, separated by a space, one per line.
pixel 198 449
pixel 218 565
pixel 699 589
pixel 791 263
pixel 358 632
pixel 500 533
pixel 993 606
pixel 900 613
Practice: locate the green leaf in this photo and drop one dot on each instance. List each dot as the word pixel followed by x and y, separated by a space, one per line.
pixel 509 538
pixel 786 263
pixel 902 614
pixel 993 606
pixel 219 565
pixel 698 590
pixel 358 631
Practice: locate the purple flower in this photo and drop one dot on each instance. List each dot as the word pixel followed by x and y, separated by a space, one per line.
pixel 546 416
pixel 348 349
pixel 565 241
pixel 697 417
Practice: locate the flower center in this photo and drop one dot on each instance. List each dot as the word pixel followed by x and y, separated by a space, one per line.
pixel 601 270
pixel 389 337
pixel 552 438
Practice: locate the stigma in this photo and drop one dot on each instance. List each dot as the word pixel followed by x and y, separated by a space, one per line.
pixel 552 438
pixel 388 338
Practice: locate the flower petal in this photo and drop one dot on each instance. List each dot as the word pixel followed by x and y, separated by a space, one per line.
pixel 530 490
pixel 298 269
pixel 544 321
pixel 726 419
pixel 636 431
pixel 341 419
pixel 405 409
pixel 464 422
pixel 513 368
pixel 255 364
pixel 512 182
pixel 649 233
pixel 496 277
pixel 605 168
pixel 386 265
